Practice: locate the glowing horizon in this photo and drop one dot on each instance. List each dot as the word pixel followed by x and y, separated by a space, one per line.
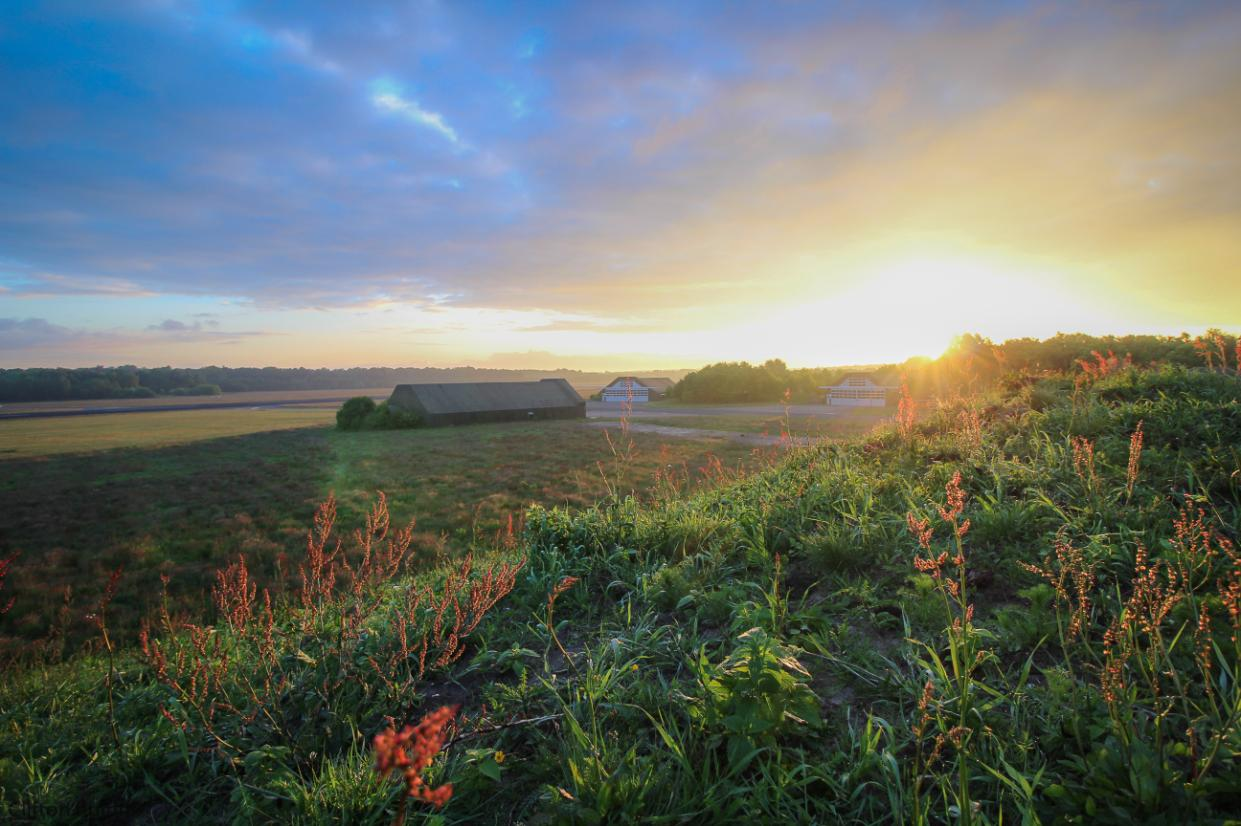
pixel 642 187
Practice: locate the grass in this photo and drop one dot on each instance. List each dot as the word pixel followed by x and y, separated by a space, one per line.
pixel 843 426
pixel 250 397
pixel 958 625
pixel 181 500
pixel 36 438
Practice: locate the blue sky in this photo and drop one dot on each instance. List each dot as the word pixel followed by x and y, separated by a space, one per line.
pixel 600 185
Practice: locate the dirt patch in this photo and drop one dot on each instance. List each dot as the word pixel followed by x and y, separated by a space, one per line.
pixel 700 433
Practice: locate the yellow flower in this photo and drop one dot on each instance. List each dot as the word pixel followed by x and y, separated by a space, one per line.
pixel 633 667
pixel 499 757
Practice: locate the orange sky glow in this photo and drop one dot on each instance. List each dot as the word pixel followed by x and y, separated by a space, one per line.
pixel 847 189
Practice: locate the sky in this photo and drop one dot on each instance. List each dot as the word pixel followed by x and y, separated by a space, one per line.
pixel 610 185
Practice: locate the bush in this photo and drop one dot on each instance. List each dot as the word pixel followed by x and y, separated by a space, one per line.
pixel 353 413
pixel 390 418
pixel 361 413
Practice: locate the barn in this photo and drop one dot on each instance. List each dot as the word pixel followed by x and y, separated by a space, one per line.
pixel 857 390
pixel 499 401
pixel 634 389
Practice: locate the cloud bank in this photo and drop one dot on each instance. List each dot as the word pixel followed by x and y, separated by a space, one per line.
pixel 636 166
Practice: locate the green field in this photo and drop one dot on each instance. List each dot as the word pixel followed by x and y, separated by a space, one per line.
pixel 180 493
pixel 1024 607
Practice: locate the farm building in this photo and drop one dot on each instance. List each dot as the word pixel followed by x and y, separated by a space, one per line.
pixel 633 389
pixel 498 401
pixel 857 390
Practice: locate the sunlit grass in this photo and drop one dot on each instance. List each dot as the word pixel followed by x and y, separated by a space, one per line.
pixel 26 438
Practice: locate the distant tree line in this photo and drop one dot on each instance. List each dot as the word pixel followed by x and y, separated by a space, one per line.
pixel 973 362
pixel 54 384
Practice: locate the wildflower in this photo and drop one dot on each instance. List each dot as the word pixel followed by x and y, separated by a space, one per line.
pixel 1153 597
pixel 234 594
pixel 1135 456
pixel 905 412
pixel 4 572
pixel 1202 636
pixel 956 504
pixel 1230 591
pixel 1204 352
pixel 921 528
pixel 1115 655
pixel 560 587
pixel 1103 365
pixel 969 428
pixel 411 752
pixel 924 706
pixel 1071 568
pixel 499 757
pixel 932 566
pixel 1083 460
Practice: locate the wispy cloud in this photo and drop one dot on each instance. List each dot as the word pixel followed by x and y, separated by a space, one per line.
pixel 619 168
pixel 387 97
pixel 48 285
pixel 28 334
pixel 172 325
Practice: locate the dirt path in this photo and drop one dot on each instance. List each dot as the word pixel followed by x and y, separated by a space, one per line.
pixel 756 439
pixel 605 410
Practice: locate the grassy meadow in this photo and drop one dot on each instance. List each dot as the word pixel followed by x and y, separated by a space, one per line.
pixel 1020 607
pixel 182 493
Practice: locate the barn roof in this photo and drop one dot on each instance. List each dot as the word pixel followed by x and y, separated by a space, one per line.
pixel 857 374
pixel 660 384
pixel 471 397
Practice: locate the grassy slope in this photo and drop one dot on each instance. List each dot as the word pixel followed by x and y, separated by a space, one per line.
pixel 187 508
pixel 754 651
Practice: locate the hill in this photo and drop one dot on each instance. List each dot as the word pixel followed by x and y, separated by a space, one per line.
pixel 1023 606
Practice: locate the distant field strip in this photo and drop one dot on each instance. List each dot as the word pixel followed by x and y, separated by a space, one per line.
pixel 79 407
pixel 30 438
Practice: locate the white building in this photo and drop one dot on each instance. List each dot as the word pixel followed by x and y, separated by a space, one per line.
pixel 634 389
pixel 857 390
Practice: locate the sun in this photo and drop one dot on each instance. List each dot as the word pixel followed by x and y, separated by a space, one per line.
pixel 894 307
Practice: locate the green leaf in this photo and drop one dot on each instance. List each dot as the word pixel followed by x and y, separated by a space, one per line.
pixel 490 768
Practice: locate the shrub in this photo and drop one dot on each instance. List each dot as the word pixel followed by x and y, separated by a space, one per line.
pixel 391 418
pixel 361 413
pixel 354 413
